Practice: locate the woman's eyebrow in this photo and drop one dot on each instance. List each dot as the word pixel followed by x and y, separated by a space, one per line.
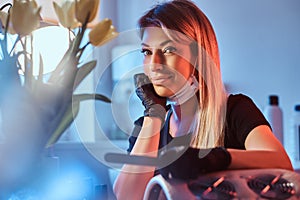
pixel 161 44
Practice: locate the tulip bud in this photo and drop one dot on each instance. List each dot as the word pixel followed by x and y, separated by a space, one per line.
pixel 66 14
pixel 86 10
pixel 103 32
pixel 25 16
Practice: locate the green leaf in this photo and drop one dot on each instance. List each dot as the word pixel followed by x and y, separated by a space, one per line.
pixel 41 70
pixel 83 71
pixel 66 121
pixel 68 61
pixel 102 98
pixel 71 113
pixel 82 97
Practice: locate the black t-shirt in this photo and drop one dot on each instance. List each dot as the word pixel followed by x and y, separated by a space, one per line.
pixel 242 116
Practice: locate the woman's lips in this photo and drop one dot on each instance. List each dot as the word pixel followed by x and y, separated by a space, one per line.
pixel 161 79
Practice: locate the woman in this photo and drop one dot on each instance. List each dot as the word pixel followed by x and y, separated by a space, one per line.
pixel 219 131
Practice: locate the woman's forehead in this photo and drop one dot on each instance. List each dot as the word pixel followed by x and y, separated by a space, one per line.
pixel 155 36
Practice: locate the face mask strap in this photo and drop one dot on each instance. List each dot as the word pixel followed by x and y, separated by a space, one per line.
pixel 188 90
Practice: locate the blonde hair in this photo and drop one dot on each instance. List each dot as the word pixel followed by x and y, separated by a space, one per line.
pixel 185 17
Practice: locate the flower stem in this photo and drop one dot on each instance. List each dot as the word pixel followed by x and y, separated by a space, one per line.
pixel 14 45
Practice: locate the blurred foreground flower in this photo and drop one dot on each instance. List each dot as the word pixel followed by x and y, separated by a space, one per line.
pixel 25 16
pixel 66 14
pixel 37 111
pixel 86 11
pixel 103 32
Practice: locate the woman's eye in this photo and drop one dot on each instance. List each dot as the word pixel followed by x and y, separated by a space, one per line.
pixel 169 50
pixel 146 52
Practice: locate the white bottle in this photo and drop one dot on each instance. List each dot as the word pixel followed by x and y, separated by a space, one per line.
pixel 294 139
pixel 273 114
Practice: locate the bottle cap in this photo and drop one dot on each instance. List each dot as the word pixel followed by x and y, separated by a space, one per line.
pixel 273 100
pixel 297 107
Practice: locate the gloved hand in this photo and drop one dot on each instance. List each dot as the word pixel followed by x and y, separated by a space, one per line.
pixel 193 162
pixel 155 105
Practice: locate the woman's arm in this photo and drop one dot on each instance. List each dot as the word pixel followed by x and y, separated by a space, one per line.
pixel 132 180
pixel 263 150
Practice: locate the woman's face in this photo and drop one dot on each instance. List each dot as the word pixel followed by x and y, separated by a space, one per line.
pixel 167 63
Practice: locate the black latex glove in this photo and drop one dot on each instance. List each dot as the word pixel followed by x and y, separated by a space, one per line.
pixel 193 162
pixel 155 106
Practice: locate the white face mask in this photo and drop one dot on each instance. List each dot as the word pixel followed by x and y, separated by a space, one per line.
pixel 188 90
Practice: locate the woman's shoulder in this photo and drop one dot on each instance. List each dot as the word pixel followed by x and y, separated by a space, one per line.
pixel 242 116
pixel 239 102
pixel 233 98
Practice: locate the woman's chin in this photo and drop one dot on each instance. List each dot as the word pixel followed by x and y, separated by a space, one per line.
pixel 163 91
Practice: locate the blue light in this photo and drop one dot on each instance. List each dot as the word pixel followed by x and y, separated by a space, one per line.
pixel 76 183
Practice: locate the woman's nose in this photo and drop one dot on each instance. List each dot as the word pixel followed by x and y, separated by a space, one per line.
pixel 156 61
